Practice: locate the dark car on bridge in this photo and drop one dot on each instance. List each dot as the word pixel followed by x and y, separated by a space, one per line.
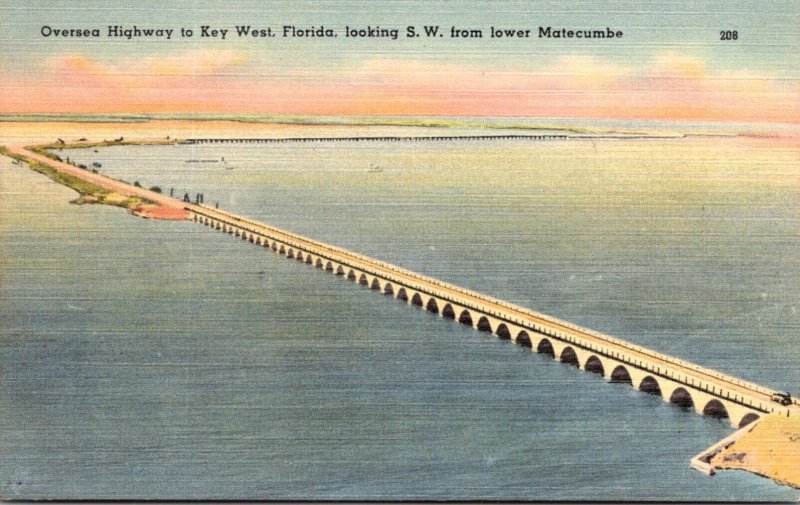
pixel 782 398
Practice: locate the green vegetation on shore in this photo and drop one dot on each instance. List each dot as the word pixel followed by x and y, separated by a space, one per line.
pixel 89 192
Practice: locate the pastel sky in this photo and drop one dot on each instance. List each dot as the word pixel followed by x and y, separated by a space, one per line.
pixel 670 64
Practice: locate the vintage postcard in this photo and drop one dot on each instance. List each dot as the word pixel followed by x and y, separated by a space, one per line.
pixel 400 250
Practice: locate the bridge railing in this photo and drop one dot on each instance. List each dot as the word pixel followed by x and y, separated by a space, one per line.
pixel 367 264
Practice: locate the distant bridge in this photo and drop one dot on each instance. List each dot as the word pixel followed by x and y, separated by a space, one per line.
pixel 372 139
pixel 705 390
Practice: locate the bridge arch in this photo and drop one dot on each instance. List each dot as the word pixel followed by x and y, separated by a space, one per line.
pixel 747 419
pixel 546 347
pixel 705 396
pixel 351 275
pixel 650 386
pixel 569 357
pixel 681 397
pixel 715 408
pixel 402 295
pixel 620 375
pixel 432 306
pixel 502 332
pixel 594 365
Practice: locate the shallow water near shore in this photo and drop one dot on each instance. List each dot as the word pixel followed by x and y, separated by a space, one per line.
pixel 160 359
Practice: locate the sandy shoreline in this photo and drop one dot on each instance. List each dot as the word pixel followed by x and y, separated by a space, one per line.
pixel 771 449
pixel 95 188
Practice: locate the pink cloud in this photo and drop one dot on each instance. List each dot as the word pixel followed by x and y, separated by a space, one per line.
pixel 669 86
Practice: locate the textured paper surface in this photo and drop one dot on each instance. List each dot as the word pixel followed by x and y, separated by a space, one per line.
pixel 629 168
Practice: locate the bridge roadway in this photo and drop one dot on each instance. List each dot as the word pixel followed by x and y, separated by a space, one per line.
pixel 689 385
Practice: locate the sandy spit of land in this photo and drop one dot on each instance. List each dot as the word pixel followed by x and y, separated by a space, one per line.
pixel 156 205
pixel 771 449
pixel 160 212
pixel 16 136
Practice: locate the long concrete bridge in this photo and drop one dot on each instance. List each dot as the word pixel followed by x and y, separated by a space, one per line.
pixel 372 139
pixel 707 391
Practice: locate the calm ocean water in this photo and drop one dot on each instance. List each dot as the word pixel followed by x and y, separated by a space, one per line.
pixel 159 359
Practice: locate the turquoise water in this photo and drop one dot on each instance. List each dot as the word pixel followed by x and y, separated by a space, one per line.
pixel 159 359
